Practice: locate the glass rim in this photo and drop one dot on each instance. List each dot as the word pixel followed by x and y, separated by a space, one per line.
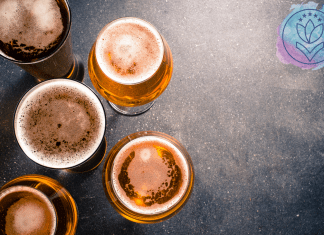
pixel 4 193
pixel 30 91
pixel 53 185
pixel 153 27
pixel 59 46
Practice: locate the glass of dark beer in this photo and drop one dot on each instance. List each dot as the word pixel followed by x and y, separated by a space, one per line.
pixel 130 64
pixel 60 123
pixel 36 35
pixel 148 177
pixel 36 204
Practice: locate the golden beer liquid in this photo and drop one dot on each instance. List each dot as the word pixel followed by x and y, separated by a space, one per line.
pixel 148 177
pixel 65 207
pixel 131 94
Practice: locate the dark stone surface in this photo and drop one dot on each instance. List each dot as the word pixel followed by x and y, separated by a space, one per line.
pixel 253 126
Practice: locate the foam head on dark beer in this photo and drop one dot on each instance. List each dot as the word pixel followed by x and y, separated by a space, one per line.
pixel 129 50
pixel 29 27
pixel 60 123
pixel 30 213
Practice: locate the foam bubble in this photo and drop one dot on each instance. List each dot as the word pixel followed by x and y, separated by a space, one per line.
pixel 147 153
pixel 45 15
pixel 26 216
pixel 8 16
pixel 129 50
pixel 149 171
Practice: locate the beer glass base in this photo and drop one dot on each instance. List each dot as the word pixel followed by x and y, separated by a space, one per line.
pixel 77 72
pixel 131 111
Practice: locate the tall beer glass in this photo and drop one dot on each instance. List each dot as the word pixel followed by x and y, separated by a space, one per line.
pixel 130 64
pixel 148 177
pixel 60 123
pixel 36 35
pixel 38 205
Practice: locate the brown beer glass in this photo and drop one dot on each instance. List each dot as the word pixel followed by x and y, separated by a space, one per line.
pixel 60 124
pixel 148 177
pixel 130 64
pixel 36 35
pixel 36 204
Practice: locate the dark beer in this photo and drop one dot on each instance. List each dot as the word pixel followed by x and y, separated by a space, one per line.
pixel 36 35
pixel 31 30
pixel 36 204
pixel 60 123
pixel 28 211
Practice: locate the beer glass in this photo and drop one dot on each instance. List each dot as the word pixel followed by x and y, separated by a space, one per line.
pixel 130 64
pixel 60 123
pixel 36 204
pixel 36 35
pixel 148 177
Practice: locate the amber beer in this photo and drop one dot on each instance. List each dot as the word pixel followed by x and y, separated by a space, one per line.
pixel 36 204
pixel 60 123
pixel 130 63
pixel 35 35
pixel 148 177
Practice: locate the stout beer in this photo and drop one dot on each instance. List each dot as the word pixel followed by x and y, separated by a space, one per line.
pixel 149 177
pixel 60 123
pixel 36 204
pixel 130 64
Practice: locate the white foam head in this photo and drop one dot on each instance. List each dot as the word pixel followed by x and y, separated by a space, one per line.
pixel 149 173
pixel 59 123
pixel 32 213
pixel 129 50
pixel 33 23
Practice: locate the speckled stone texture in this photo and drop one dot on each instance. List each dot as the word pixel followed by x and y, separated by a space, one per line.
pixel 253 126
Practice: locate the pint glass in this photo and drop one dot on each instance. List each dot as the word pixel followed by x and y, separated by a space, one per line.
pixel 36 204
pixel 60 123
pixel 130 64
pixel 148 177
pixel 36 35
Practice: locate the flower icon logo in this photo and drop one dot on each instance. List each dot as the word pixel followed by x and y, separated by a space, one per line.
pixel 301 37
pixel 310 33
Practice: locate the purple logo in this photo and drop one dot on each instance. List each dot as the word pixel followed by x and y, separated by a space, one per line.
pixel 300 37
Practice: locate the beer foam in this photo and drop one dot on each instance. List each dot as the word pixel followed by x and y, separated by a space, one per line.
pixel 129 50
pixel 30 25
pixel 150 173
pixel 32 213
pixel 60 123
